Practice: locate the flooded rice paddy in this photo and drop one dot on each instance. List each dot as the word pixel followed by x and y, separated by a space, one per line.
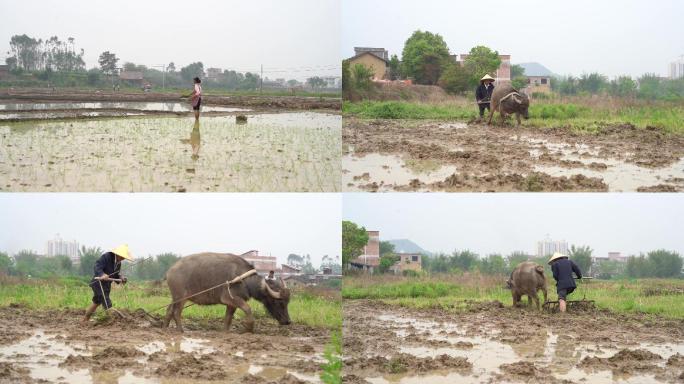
pixel 271 152
pixel 125 105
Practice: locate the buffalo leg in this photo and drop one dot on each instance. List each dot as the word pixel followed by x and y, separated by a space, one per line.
pixel 230 311
pixel 516 300
pixel 178 309
pixel 491 113
pixel 536 300
pixel 249 318
pixel 169 315
pixel 544 292
pixel 517 115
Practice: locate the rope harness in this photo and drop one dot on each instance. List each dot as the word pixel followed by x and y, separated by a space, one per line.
pixel 507 96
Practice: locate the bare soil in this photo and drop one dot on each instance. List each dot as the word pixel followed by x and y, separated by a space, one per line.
pixel 52 346
pixel 492 343
pixel 509 158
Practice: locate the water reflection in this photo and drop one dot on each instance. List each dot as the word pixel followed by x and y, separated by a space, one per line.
pixel 194 140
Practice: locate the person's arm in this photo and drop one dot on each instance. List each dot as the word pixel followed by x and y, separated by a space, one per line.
pixel 478 94
pixel 99 267
pixel 576 269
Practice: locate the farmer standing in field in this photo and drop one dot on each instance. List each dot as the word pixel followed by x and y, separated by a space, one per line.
pixel 196 97
pixel 563 268
pixel 483 93
pixel 107 267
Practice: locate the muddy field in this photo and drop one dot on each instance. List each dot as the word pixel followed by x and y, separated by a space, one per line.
pixel 404 155
pixel 490 343
pixel 52 346
pixel 159 147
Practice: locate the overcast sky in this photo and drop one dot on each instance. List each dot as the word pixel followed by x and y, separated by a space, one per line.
pixel 300 37
pixel 613 37
pixel 276 224
pixel 502 223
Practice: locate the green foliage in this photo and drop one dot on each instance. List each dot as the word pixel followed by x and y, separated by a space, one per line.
pixel 424 56
pixel 354 238
pixel 406 110
pixel 387 260
pixel 316 82
pixel 191 71
pixel 518 78
pixel 394 68
pixel 362 77
pixel 592 83
pixel 87 258
pixel 332 368
pixel 6 264
pixel 493 265
pixel 581 256
pixel 386 248
pixel 623 86
pixel 480 61
pixel 455 79
pixel 658 263
pixel 107 61
pixel 407 288
pixel 346 76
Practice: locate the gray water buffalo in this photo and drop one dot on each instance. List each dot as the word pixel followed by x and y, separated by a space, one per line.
pixel 507 100
pixel 526 279
pixel 198 272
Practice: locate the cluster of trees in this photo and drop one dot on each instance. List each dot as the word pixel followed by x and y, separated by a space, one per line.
pixel 30 54
pixel 649 86
pixel 659 263
pixel 28 263
pixel 304 262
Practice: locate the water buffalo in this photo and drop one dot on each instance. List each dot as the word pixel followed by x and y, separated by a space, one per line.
pixel 507 100
pixel 526 279
pixel 195 273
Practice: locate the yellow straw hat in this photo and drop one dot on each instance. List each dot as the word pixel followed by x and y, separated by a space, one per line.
pixel 486 77
pixel 556 256
pixel 122 250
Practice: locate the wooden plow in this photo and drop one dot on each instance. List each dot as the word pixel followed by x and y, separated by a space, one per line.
pixel 574 305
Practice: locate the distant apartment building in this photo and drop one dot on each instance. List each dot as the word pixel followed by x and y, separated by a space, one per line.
pixel 332 81
pixel 503 73
pixel 548 247
pixel 60 247
pixel 263 264
pixel 677 68
pixel 407 262
pixel 370 258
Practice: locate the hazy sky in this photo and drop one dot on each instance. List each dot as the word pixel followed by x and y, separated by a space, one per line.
pixel 276 224
pixel 612 37
pixel 486 223
pixel 300 37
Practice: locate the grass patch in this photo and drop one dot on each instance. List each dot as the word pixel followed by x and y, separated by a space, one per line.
pixel 583 116
pixel 450 292
pixel 304 307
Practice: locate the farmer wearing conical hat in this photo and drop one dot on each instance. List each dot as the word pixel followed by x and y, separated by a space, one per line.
pixel 107 267
pixel 483 93
pixel 562 269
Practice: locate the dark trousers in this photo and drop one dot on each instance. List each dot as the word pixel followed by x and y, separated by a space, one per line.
pixel 483 106
pixel 98 297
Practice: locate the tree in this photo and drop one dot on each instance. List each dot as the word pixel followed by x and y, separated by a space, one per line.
pixel 171 67
pixel 592 83
pixel 292 83
pixel 464 260
pixel 354 238
pixel 481 60
pixel 6 264
pixel 582 257
pixel 87 258
pixel 518 78
pixel 386 248
pixel 455 79
pixel 623 86
pixel 361 77
pixel 11 63
pixel 565 85
pixel 94 76
pixel 346 76
pixel 192 70
pixel 516 258
pixel 665 263
pixel 316 82
pixel 424 56
pixel 65 264
pixel 649 86
pixel 295 260
pixel 394 68
pixel 25 262
pixel 107 61
pixel 493 264
pixel 387 261
pixel 27 52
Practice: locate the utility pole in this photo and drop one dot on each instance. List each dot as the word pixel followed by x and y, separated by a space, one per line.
pixel 261 82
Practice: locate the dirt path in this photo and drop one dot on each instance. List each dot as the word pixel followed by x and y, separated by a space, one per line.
pixel 491 343
pixel 406 155
pixel 53 346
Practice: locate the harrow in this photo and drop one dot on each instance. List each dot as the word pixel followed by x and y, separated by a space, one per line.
pixel 574 305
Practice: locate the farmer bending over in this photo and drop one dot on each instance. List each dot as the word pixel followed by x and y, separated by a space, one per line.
pixel 107 267
pixel 563 268
pixel 483 93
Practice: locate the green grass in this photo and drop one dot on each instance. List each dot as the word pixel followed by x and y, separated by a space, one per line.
pixel 581 118
pixel 304 307
pixel 332 368
pixel 451 292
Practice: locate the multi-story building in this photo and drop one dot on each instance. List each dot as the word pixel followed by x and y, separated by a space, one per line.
pixel 263 264
pixel 407 262
pixel 677 68
pixel 60 247
pixel 379 52
pixel 548 247
pixel 370 259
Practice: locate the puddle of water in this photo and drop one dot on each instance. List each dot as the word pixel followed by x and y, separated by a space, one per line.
pixel 390 170
pixel 292 152
pixel 273 373
pixel 547 350
pixel 142 106
pixel 190 345
pixel 619 176
pixel 453 126
pixel 152 347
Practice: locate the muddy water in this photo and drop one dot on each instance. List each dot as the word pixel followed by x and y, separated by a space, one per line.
pixel 271 152
pixel 142 106
pixel 388 171
pixel 504 345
